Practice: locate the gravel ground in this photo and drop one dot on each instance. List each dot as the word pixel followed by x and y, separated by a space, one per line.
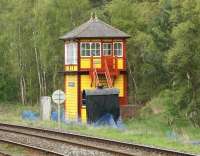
pixel 86 142
pixel 135 151
pixel 66 149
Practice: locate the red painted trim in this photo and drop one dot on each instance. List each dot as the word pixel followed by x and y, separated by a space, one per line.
pixel 79 84
pixel 124 99
pixel 124 54
pixel 88 57
pixel 125 75
pixel 125 90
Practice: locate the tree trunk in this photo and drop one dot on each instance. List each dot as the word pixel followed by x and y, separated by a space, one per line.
pixel 133 80
pixel 21 67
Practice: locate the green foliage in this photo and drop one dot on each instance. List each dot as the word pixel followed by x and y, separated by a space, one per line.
pixel 31 54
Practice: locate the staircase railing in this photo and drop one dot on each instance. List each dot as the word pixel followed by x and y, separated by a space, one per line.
pixel 96 78
pixel 107 74
pixel 93 73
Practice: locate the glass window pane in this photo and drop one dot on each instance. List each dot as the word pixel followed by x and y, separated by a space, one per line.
pixel 87 52
pixel 95 49
pixel 71 53
pixel 83 45
pixel 85 49
pixel 90 48
pixel 93 52
pixel 115 52
pixel 120 52
pixel 118 49
pixel 115 46
pixel 120 46
pixel 87 46
pixel 107 48
pixel 93 45
pixel 98 46
pixel 98 53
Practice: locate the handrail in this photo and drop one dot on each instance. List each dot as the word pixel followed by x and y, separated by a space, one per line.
pixel 93 73
pixel 107 74
pixel 96 78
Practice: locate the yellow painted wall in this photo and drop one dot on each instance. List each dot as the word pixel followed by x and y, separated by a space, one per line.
pixel 86 82
pixel 85 62
pixel 71 103
pixel 71 68
pixel 120 63
pixel 83 114
pixel 119 83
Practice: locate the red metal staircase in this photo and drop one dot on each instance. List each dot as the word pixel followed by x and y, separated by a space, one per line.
pixel 105 75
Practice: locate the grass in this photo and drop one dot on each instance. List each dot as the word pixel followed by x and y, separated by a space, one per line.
pixel 149 130
pixel 12 149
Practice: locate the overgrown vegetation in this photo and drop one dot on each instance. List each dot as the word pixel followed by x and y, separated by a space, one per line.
pixel 163 53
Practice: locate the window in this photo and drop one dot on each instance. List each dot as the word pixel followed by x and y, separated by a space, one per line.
pixel 71 53
pixel 95 49
pixel 85 49
pixel 118 48
pixel 107 48
pixel 90 48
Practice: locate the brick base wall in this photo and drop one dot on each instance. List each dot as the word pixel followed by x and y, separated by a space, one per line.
pixel 129 111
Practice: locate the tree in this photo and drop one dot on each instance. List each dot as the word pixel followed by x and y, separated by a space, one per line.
pixel 184 56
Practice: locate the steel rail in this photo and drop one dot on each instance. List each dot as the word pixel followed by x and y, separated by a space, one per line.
pixel 87 146
pixel 142 148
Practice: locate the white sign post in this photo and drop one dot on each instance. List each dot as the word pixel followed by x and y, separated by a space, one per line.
pixel 58 97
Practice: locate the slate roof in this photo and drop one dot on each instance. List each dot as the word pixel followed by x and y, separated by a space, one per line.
pixel 94 28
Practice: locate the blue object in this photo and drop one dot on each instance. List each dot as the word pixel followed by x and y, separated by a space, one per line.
pixel 108 120
pixel 171 135
pixel 54 116
pixel 195 142
pixel 120 124
pixel 29 115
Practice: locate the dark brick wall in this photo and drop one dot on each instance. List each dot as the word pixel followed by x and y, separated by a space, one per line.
pixel 129 111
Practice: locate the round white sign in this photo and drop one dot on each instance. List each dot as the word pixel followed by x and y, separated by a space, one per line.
pixel 58 96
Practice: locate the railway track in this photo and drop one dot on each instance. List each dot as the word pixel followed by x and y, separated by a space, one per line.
pixel 4 154
pixel 87 142
pixel 29 147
